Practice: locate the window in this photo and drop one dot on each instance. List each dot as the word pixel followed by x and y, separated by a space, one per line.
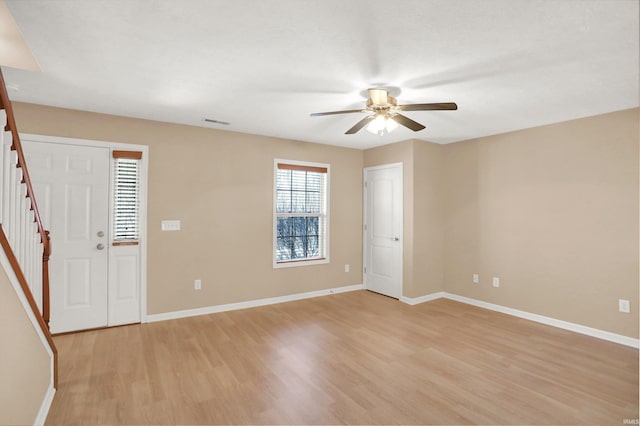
pixel 301 221
pixel 126 201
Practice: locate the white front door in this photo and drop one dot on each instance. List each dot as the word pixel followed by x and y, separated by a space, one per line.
pixel 383 229
pixel 71 184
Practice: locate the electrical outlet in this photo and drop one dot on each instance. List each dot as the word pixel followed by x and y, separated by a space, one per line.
pixel 346 267
pixel 624 306
pixel 197 284
pixel 496 282
pixel 476 278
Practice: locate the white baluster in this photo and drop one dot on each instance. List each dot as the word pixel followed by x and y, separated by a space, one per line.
pixel 37 257
pixel 6 180
pixel 38 261
pixel 28 242
pixel 33 263
pixel 11 219
pixel 3 122
pixel 33 260
pixel 22 249
pixel 15 199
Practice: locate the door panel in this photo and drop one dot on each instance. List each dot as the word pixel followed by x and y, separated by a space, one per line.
pixel 127 270
pixel 77 212
pixel 77 280
pixel 383 230
pixel 382 212
pixel 124 291
pixel 71 184
pixel 382 261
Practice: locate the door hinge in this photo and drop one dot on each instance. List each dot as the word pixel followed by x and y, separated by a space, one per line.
pixel 365 226
pixel 365 183
pixel 365 269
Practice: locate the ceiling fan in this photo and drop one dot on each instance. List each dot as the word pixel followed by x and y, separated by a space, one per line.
pixel 384 113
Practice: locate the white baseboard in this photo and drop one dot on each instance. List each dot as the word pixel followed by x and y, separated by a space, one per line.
pixel 250 303
pixel 45 406
pixel 577 328
pixel 422 299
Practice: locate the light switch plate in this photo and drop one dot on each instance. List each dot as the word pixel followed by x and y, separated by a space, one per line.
pixel 170 225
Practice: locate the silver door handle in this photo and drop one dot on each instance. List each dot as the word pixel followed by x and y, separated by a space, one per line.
pixel 396 239
pixel 100 246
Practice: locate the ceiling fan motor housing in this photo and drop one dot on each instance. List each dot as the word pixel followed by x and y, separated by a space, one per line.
pixel 390 103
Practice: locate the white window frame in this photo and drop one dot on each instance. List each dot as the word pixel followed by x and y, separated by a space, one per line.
pixel 302 262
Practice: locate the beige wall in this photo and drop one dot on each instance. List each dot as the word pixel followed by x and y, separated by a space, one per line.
pixel 553 212
pixel 220 185
pixel 428 224
pixel 423 269
pixel 25 366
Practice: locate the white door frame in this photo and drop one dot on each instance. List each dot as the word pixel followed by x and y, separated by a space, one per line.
pixel 365 172
pixel 143 196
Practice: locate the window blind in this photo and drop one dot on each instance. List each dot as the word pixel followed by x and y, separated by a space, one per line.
pixel 126 217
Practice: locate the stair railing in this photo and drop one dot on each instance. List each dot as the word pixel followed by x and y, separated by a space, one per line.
pixel 22 236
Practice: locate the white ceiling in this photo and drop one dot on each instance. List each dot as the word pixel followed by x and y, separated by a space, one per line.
pixel 264 66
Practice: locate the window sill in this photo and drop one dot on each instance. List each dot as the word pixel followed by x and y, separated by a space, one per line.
pixel 302 262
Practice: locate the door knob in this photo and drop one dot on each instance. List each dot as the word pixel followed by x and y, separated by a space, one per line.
pixel 100 246
pixel 396 239
pixel 100 234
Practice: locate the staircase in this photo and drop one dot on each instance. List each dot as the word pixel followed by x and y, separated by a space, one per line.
pixel 24 240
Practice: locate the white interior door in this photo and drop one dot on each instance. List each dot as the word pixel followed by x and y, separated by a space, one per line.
pixel 71 184
pixel 383 229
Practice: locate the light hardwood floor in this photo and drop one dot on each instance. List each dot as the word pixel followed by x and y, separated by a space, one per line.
pixel 355 358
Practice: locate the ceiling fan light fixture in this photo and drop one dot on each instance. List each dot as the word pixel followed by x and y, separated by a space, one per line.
pixel 391 124
pixel 377 124
pixel 382 124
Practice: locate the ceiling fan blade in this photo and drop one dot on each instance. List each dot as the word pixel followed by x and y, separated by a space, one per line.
pixel 428 107
pixel 378 96
pixel 407 122
pixel 359 125
pixel 348 111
